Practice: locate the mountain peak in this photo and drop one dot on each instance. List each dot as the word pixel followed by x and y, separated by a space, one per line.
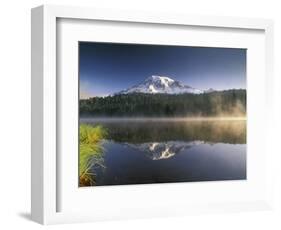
pixel 210 90
pixel 160 84
pixel 159 78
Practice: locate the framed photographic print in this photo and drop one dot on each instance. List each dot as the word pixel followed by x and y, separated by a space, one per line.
pixel 138 114
pixel 153 128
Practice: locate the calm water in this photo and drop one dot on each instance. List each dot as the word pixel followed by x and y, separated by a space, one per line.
pixel 143 151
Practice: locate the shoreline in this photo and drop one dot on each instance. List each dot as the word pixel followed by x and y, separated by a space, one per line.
pixel 159 119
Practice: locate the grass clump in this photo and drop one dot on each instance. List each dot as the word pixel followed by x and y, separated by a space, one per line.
pixel 91 152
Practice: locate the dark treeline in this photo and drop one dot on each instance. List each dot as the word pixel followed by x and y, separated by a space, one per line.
pixel 221 103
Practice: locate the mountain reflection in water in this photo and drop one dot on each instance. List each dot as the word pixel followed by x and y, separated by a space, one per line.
pixel 163 150
pixel 149 151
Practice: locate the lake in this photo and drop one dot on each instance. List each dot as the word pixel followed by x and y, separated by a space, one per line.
pixel 141 151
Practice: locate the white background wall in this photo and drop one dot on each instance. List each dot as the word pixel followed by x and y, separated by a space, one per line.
pixel 15 113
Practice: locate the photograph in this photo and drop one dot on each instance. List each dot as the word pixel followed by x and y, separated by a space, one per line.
pixel 151 113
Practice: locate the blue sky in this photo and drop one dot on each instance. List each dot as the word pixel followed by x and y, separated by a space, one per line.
pixel 106 68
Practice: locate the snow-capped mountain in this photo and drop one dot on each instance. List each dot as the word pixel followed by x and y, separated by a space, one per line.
pixel 160 84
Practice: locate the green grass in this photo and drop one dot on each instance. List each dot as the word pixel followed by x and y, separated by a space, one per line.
pixel 91 152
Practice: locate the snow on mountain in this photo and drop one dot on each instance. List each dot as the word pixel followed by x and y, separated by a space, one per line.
pixel 210 90
pixel 160 84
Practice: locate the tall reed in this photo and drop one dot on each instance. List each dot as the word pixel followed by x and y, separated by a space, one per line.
pixel 91 152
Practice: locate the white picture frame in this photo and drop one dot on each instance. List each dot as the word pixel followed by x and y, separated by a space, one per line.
pixel 45 206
